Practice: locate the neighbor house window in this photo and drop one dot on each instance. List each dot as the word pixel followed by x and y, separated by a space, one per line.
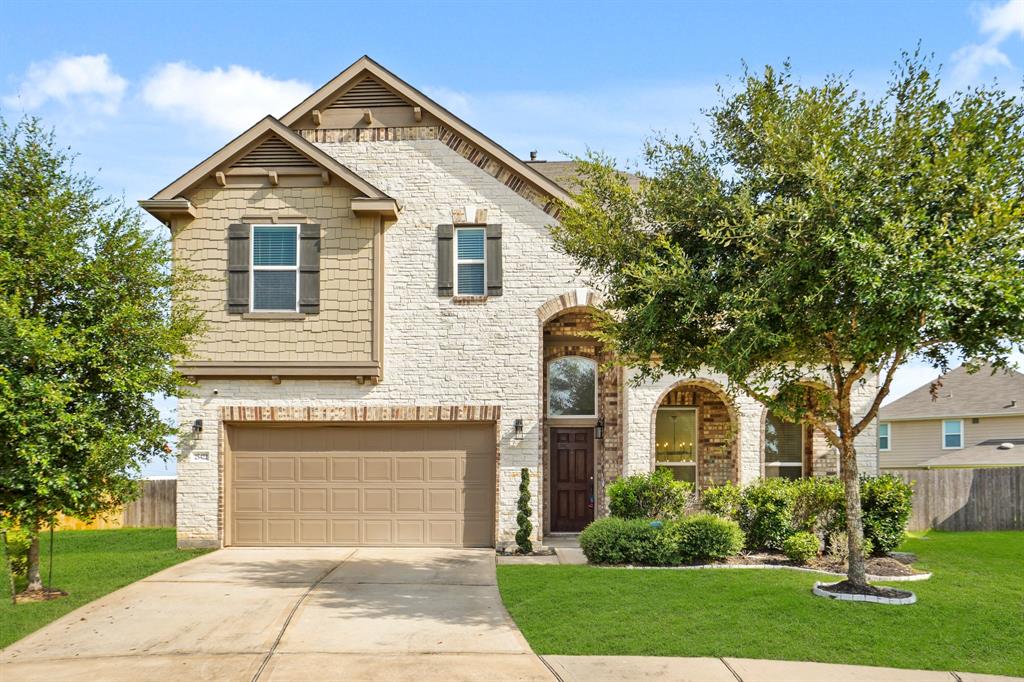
pixel 884 437
pixel 783 448
pixel 275 268
pixel 675 442
pixel 572 387
pixel 470 263
pixel 952 434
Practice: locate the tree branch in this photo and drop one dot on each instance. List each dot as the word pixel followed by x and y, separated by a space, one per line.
pixel 897 360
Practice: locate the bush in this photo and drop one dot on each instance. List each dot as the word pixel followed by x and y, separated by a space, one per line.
pixel 706 537
pixel 766 513
pixel 886 502
pixel 17 551
pixel 648 496
pixel 819 506
pixel 614 540
pixel 839 547
pixel 523 541
pixel 722 500
pixel 801 547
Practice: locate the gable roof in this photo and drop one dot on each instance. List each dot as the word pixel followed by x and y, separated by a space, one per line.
pixel 240 149
pixel 364 66
pixel 987 393
pixel 566 174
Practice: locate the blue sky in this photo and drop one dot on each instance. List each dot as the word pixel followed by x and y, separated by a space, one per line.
pixel 144 90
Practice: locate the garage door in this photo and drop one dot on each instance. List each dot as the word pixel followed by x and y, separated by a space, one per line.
pixel 381 485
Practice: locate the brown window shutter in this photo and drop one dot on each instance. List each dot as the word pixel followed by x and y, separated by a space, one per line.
pixel 309 269
pixel 493 255
pixel 445 256
pixel 238 268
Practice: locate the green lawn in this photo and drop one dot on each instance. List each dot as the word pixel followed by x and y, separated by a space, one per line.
pixel 969 616
pixel 88 564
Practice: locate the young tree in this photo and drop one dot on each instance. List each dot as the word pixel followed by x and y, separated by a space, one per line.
pixel 87 336
pixel 813 243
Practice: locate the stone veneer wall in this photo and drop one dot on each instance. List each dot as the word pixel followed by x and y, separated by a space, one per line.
pixel 577 322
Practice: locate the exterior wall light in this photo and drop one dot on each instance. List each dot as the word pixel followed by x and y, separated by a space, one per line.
pixel 599 429
pixel 197 427
pixel 517 425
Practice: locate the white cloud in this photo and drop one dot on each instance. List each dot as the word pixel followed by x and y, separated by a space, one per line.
pixel 229 99
pixel 999 23
pixel 86 81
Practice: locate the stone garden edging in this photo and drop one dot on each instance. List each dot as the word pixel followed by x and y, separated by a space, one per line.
pixel 839 596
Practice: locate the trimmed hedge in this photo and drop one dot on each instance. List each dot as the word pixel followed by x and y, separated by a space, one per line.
pixel 648 496
pixel 643 542
pixel 770 511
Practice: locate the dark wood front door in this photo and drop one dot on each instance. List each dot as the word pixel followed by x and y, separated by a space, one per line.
pixel 572 479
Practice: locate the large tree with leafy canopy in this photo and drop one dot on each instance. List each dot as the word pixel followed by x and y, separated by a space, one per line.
pixel 87 337
pixel 814 241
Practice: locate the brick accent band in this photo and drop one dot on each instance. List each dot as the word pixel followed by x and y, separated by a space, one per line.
pixel 363 413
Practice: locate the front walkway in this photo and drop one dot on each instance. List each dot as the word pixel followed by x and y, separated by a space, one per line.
pixel 291 614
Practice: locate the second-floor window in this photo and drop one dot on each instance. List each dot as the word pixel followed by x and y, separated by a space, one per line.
pixel 470 261
pixel 952 434
pixel 275 268
pixel 884 438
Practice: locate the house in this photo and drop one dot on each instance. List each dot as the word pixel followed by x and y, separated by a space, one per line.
pixel 968 420
pixel 393 338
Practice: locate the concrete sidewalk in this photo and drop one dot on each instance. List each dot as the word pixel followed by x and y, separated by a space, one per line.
pixel 666 669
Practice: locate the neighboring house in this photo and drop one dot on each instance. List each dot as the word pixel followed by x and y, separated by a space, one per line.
pixel 393 337
pixel 968 420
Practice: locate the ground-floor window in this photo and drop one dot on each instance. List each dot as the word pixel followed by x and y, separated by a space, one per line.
pixel 783 448
pixel 675 447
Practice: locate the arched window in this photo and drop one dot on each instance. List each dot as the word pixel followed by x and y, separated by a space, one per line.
pixel 675 442
pixel 572 387
pixel 783 448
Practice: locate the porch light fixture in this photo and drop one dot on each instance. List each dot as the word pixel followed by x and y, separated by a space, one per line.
pixel 517 425
pixel 599 429
pixel 197 426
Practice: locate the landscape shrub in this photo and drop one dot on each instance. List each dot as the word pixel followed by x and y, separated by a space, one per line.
pixel 706 537
pixel 886 502
pixel 613 540
pixel 525 527
pixel 801 546
pixel 819 505
pixel 766 513
pixel 839 548
pixel 655 495
pixel 17 550
pixel 722 500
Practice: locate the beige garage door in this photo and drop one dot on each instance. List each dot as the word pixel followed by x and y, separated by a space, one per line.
pixel 409 485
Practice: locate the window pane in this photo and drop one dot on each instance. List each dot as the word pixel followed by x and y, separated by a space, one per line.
pixel 790 472
pixel 782 441
pixel 675 435
pixel 273 246
pixel 471 279
pixel 682 473
pixel 883 436
pixel 273 290
pixel 470 244
pixel 571 385
pixel 951 436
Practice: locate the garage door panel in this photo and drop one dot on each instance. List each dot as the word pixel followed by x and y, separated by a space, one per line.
pixel 361 485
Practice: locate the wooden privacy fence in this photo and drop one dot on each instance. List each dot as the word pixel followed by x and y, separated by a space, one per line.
pixel 155 507
pixel 966 499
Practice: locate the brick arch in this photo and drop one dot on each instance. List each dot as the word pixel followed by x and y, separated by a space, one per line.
pixel 718 431
pixel 574 299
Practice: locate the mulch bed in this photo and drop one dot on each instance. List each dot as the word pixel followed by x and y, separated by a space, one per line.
pixel 39 595
pixel 845 587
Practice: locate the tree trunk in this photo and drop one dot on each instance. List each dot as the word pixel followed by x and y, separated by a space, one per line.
pixel 35 581
pixel 855 572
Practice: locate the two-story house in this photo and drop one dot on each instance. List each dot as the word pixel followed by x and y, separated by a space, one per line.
pixel 393 338
pixel 966 420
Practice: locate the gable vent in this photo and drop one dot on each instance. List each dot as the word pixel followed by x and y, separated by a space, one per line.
pixel 273 152
pixel 367 93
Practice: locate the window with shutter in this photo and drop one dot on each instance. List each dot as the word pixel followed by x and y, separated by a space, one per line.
pixel 470 261
pixel 275 268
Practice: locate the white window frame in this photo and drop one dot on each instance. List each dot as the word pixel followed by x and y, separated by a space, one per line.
pixel 696 441
pixel 253 268
pixel 468 261
pixel 547 393
pixel 943 434
pixel 803 445
pixel 888 436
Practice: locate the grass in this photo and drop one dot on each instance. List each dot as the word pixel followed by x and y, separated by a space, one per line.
pixel 969 616
pixel 88 564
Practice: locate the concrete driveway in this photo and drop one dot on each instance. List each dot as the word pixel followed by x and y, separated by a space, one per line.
pixel 291 614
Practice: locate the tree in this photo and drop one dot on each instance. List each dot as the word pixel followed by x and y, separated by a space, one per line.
pixel 87 336
pixel 813 243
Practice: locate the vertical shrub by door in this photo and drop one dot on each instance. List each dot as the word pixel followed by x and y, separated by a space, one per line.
pixel 525 529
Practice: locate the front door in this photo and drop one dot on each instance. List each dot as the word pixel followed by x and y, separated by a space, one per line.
pixel 572 479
